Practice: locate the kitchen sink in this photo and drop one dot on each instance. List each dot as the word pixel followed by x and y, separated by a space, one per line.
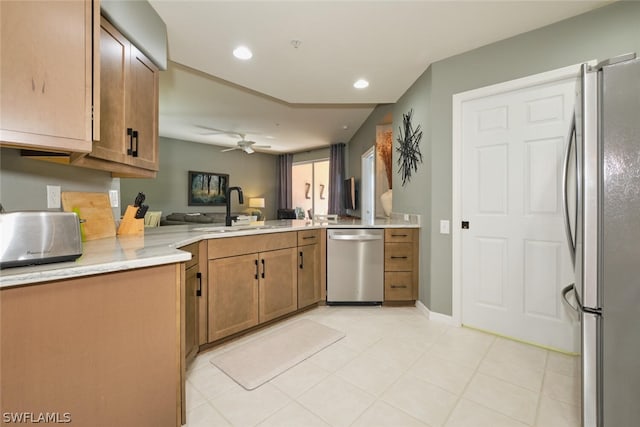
pixel 234 228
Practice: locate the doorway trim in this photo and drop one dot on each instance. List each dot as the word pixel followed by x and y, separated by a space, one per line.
pixel 368 162
pixel 458 100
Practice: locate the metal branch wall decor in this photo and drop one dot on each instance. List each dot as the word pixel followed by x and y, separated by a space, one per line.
pixel 409 147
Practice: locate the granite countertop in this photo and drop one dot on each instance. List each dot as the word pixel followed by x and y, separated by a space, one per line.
pixel 160 246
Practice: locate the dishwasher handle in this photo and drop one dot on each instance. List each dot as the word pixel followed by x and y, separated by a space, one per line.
pixel 356 237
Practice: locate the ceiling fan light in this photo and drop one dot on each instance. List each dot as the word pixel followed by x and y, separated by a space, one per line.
pixel 361 84
pixel 248 150
pixel 242 52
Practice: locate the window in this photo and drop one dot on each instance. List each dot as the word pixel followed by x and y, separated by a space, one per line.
pixel 310 186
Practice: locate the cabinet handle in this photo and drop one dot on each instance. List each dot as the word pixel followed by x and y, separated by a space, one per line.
pixel 264 268
pixel 301 260
pixel 399 257
pixel 257 269
pixel 308 237
pixel 398 286
pixel 130 134
pixel 199 290
pixel 135 136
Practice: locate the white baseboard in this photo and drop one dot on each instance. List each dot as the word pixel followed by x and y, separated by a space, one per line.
pixel 438 317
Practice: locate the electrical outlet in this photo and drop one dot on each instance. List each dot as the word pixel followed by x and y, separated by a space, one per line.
pixel 53 197
pixel 444 226
pixel 113 198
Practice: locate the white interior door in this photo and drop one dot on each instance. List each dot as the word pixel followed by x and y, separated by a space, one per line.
pixel 514 257
pixel 367 186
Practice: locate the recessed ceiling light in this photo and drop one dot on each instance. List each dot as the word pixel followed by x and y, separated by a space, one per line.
pixel 242 52
pixel 361 84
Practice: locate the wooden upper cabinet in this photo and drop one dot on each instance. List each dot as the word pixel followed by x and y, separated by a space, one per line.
pixel 143 109
pixel 114 55
pixel 128 106
pixel 46 73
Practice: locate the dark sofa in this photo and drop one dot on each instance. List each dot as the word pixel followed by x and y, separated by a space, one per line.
pixel 216 218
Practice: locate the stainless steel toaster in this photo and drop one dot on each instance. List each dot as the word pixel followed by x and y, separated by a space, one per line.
pixel 33 237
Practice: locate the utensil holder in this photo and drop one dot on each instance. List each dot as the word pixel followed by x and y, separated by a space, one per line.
pixel 130 225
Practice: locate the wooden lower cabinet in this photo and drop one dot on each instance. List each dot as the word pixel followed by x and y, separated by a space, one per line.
pixel 250 287
pixel 194 296
pixel 102 348
pixel 191 314
pixel 278 291
pixel 233 295
pixel 309 265
pixel 401 254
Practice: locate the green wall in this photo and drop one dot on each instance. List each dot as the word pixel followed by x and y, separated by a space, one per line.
pixel 23 181
pixel 255 173
pixel 600 34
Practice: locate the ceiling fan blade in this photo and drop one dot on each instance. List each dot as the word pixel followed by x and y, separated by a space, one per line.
pixel 213 130
pixel 261 146
pixel 229 149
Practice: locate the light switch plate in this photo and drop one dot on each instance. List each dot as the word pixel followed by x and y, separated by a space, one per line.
pixel 444 226
pixel 113 198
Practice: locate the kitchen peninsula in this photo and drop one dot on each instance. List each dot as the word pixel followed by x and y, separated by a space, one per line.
pixel 106 338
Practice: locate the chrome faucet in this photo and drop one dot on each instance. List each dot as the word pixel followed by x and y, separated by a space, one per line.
pixel 228 218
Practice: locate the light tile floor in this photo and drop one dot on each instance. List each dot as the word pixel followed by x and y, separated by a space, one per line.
pixel 395 368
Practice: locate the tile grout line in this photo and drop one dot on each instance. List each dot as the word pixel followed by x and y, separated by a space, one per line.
pixel 461 395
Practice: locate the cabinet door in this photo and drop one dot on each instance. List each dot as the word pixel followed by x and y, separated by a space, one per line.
pixel 278 283
pixel 142 110
pixel 46 74
pixel 233 295
pixel 114 61
pixel 308 275
pixel 191 314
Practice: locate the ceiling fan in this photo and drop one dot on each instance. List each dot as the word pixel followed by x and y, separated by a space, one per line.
pixel 243 144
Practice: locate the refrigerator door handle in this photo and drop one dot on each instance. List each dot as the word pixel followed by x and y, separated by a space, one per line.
pixel 565 292
pixel 565 196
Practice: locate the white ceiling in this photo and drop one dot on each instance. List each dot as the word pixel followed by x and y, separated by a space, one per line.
pixel 296 99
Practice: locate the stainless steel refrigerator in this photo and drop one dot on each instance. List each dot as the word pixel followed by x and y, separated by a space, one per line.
pixel 604 235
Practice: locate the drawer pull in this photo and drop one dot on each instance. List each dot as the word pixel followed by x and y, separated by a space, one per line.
pixel 130 135
pixel 399 257
pixel 399 235
pixel 398 286
pixel 308 237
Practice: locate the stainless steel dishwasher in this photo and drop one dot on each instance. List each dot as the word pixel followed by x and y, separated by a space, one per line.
pixel 355 266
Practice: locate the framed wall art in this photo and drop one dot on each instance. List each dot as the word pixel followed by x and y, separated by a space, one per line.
pixel 207 188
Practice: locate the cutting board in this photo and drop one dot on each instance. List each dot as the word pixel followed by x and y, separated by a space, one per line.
pixel 94 209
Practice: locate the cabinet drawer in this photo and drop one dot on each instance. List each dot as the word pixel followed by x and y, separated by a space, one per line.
pixel 308 237
pixel 398 286
pixel 195 252
pixel 398 235
pixel 232 246
pixel 398 257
